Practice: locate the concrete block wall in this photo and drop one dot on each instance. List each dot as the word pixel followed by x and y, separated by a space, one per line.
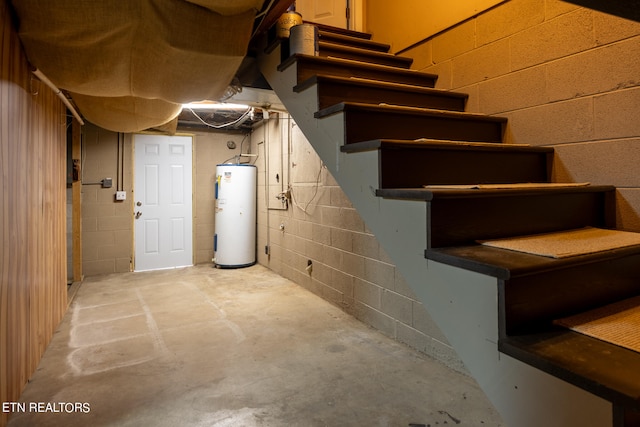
pixel 564 75
pixel 107 225
pixel 349 268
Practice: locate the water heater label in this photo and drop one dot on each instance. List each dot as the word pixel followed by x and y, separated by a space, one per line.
pixel 227 176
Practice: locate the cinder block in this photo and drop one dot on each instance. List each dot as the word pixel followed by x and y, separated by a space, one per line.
pixel 305 229
pixel 343 282
pixel 616 114
pixel 402 287
pixel 481 64
pixel 599 162
pixel 202 256
pixel 330 216
pixel 89 254
pixel 321 234
pixel 552 124
pixel 95 239
pixel 328 293
pixel 397 306
pixel 444 71
pixel 342 239
pixel 384 257
pixel 313 250
pixel 123 265
pixel 454 42
pixel 94 268
pixel 514 91
pixel 563 36
pixel 112 252
pixel 322 273
pixel 422 55
pixel 332 256
pixel 507 19
pixel 353 265
pixel 411 337
pixel 367 293
pixel 375 318
pixel 114 223
pixel 473 101
pixel 366 245
pixel 611 28
pixel 89 224
pixel 555 8
pixel 628 209
pixel 597 71
pixel 339 199
pixel 350 220
pixel 380 273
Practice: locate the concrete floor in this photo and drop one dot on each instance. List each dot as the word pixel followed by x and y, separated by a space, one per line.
pixel 206 347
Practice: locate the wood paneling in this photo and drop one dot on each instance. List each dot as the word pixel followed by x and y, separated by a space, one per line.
pixel 33 294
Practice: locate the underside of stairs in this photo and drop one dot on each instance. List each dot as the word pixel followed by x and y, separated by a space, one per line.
pixel 370 117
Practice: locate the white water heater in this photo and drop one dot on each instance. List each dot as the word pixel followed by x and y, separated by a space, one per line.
pixel 234 242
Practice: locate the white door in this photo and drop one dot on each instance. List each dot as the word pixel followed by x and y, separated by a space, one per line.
pixel 328 12
pixel 162 202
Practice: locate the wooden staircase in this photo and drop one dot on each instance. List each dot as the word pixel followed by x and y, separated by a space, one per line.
pixel 385 133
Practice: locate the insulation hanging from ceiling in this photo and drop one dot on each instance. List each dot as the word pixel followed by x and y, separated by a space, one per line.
pixel 129 65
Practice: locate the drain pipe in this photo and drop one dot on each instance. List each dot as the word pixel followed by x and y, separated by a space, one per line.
pixel 58 92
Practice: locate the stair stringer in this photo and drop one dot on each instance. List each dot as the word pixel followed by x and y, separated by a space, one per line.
pixel 463 304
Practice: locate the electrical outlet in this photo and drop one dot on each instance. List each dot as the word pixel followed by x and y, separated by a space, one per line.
pixel 121 196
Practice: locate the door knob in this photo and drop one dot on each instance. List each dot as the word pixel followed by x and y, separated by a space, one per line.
pixel 138 214
pixel 139 204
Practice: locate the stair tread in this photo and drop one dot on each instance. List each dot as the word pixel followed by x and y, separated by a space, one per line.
pixel 338 30
pixel 505 264
pixel 359 69
pixel 350 40
pixel 429 194
pixel 606 370
pixel 398 109
pixel 333 90
pixel 358 81
pixel 441 144
pixel 326 48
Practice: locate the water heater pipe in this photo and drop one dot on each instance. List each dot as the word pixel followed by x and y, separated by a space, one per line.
pixel 58 92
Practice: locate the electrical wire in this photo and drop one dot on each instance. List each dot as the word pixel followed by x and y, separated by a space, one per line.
pixel 237 156
pixel 315 193
pixel 224 125
pixel 263 16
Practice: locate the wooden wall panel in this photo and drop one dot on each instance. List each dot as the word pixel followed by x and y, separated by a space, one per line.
pixel 33 290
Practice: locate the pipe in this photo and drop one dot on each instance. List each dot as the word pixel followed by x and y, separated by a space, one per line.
pixel 58 92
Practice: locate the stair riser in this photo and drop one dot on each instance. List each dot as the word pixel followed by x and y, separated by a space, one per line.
pixel 341 31
pixel 368 125
pixel 357 42
pixel 438 166
pixel 310 66
pixel 463 221
pixel 334 93
pixel 336 51
pixel 529 304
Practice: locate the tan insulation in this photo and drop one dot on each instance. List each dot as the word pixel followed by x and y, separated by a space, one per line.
pixel 141 56
pixel 126 113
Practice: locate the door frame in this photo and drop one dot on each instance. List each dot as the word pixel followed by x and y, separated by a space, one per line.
pixel 193 195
